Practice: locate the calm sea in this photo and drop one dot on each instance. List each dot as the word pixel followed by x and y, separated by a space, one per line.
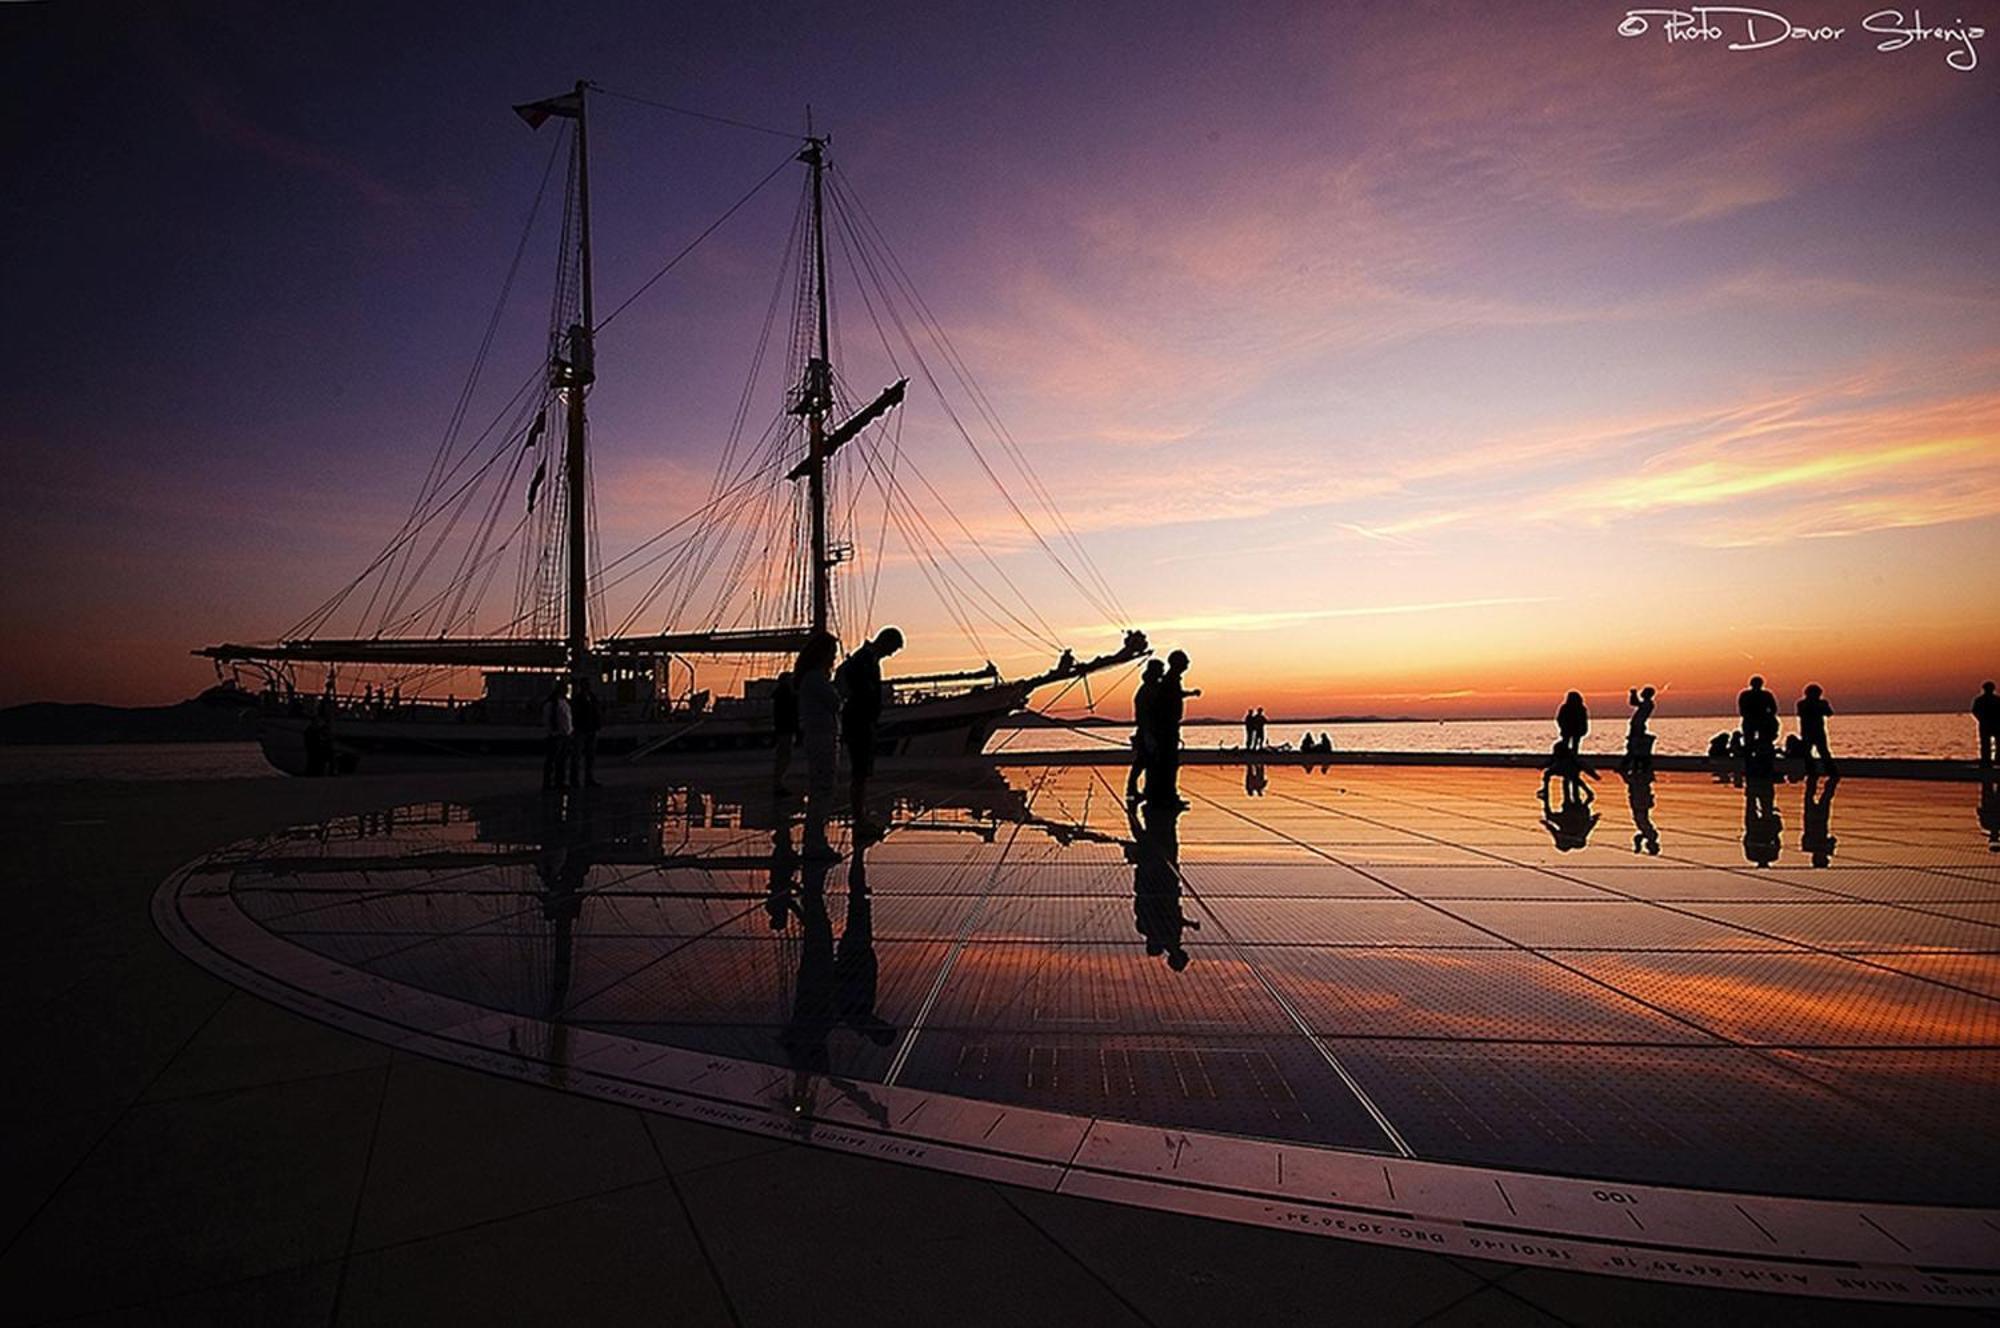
pixel 1948 736
pixel 133 760
pixel 1851 735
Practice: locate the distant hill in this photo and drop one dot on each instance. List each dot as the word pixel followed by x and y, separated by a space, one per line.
pixel 47 722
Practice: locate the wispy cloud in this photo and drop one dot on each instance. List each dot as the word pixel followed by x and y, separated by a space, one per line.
pixel 1251 621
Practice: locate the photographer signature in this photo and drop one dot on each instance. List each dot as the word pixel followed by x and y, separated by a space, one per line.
pixel 1758 29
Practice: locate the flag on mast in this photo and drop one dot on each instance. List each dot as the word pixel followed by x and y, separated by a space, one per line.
pixel 535 113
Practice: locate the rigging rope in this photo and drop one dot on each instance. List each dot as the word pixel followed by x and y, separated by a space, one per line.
pixel 649 282
pixel 698 115
pixel 843 197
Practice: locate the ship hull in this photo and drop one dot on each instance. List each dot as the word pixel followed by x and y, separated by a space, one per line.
pixel 957 725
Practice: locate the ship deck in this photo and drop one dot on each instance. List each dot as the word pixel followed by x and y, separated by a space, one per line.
pixel 1407 1015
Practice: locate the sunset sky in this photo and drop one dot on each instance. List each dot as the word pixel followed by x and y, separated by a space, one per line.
pixel 1430 359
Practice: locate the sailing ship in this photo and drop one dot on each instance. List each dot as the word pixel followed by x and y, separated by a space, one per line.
pixel 380 706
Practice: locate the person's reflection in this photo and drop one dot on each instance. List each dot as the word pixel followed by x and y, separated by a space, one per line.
pixel 1639 795
pixel 563 867
pixel 1763 831
pixel 1570 822
pixel 854 967
pixel 1816 836
pixel 1155 853
pixel 1989 811
pixel 1255 781
pixel 804 1037
pixel 781 891
pixel 834 986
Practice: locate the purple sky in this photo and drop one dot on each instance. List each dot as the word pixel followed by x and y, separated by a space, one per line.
pixel 1398 357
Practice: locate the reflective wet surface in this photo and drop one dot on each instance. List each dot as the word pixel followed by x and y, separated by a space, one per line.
pixel 1789 989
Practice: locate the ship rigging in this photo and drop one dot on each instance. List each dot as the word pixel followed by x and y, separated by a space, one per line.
pixel 711 575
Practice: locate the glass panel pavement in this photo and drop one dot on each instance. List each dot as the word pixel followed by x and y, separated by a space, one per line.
pixel 1792 990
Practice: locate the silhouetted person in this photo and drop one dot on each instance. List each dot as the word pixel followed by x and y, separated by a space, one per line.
pixel 1573 722
pixel 785 729
pixel 1639 796
pixel 1155 853
pixel 1986 710
pixel 1249 730
pixel 1169 708
pixel 1569 824
pixel 558 728
pixel 1816 837
pixel 1758 710
pixel 1737 747
pixel 1763 831
pixel 818 705
pixel 1638 742
pixel 860 682
pixel 1813 711
pixel 1262 725
pixel 587 717
pixel 1718 747
pixel 1145 698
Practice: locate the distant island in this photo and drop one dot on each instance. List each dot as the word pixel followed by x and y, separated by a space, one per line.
pixel 54 723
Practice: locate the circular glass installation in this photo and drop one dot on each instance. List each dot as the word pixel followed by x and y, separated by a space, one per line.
pixel 1414 1006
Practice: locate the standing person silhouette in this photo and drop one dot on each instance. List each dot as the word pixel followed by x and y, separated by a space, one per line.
pixel 1758 710
pixel 1144 698
pixel 1257 737
pixel 1249 730
pixel 1169 709
pixel 1813 711
pixel 860 683
pixel 1986 710
pixel 1573 722
pixel 1638 742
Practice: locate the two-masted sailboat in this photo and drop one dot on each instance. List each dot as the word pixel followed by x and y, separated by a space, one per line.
pixel 389 697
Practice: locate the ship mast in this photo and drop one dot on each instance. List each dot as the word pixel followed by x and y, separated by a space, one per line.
pixel 570 375
pixel 577 379
pixel 816 396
